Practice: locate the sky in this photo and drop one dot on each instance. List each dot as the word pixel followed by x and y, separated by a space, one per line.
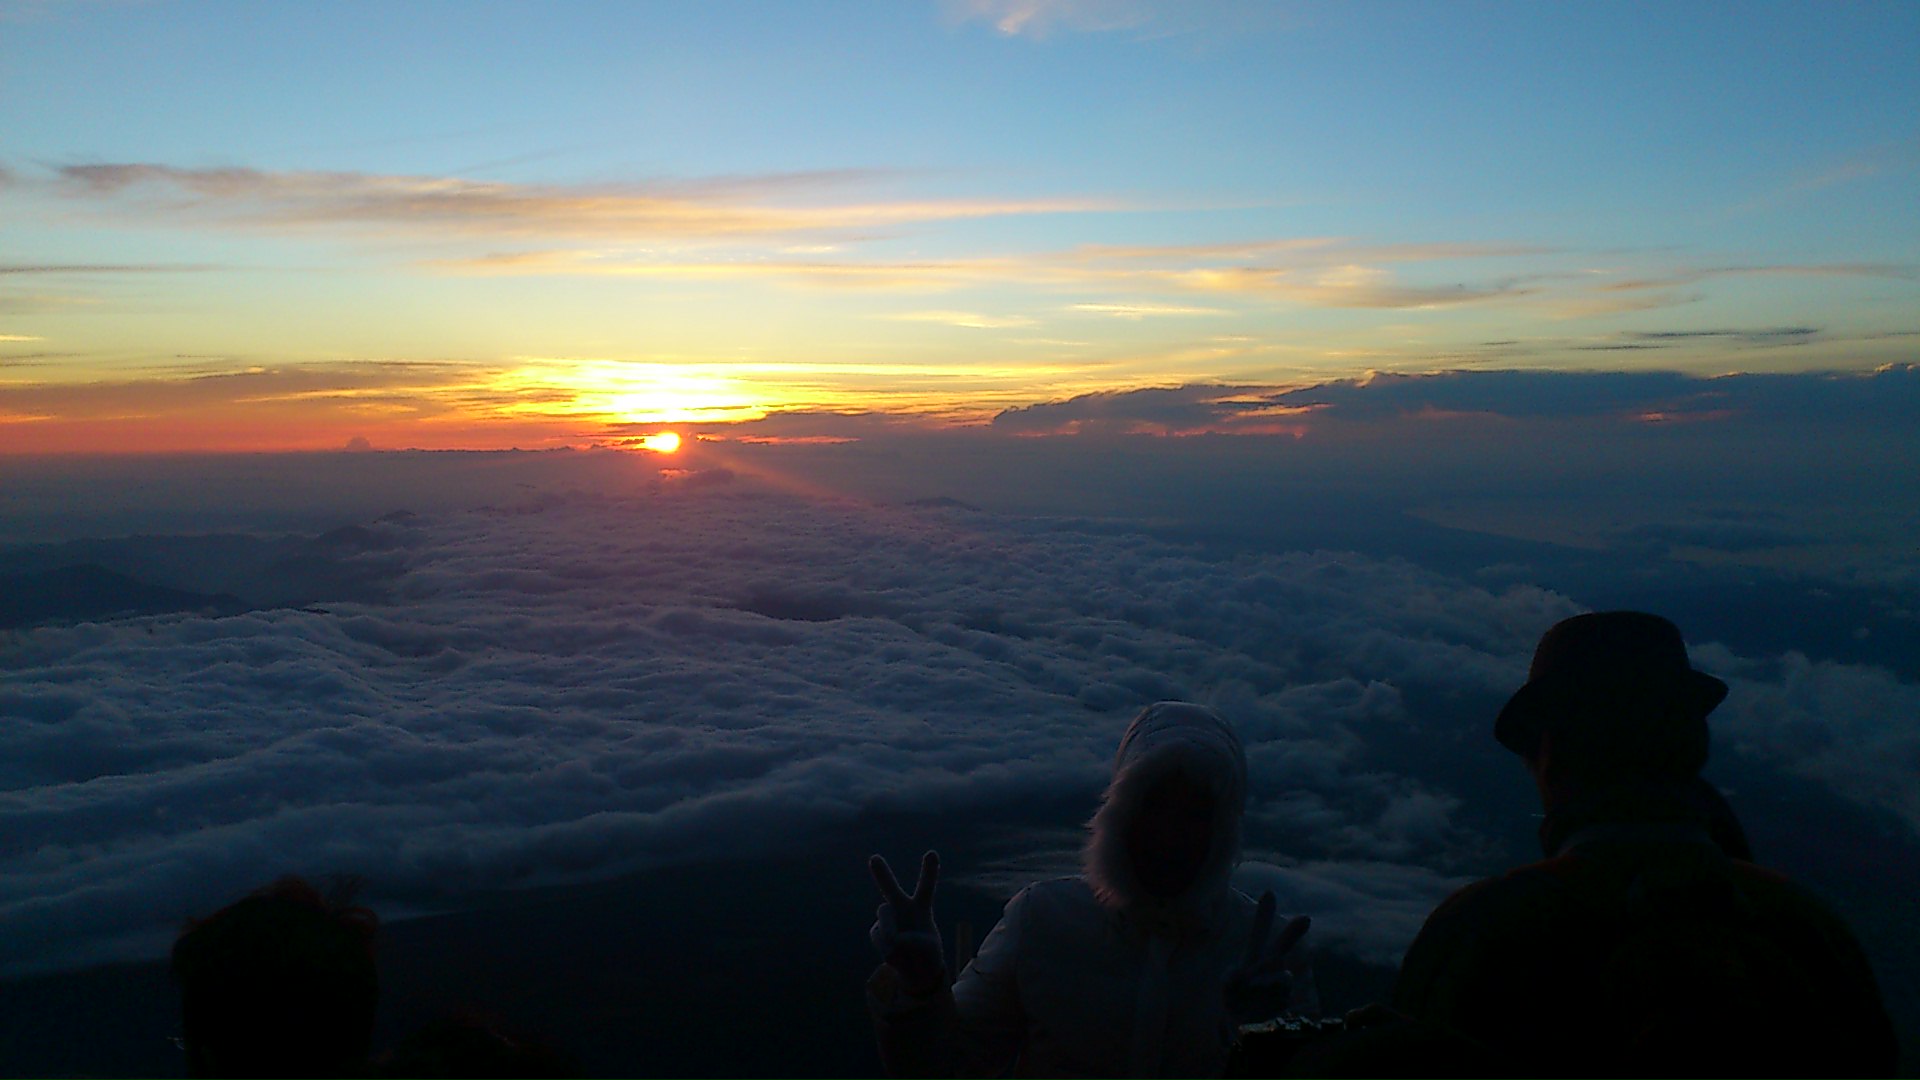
pixel 237 227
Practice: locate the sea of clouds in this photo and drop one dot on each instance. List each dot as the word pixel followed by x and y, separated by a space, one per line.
pixel 585 684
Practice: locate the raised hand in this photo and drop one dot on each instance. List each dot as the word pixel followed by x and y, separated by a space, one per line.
pixel 1261 987
pixel 904 930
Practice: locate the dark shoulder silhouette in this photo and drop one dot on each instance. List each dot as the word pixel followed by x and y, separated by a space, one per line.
pixel 1647 942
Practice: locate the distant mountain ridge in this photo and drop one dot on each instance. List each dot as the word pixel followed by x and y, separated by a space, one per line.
pixel 214 574
pixel 90 592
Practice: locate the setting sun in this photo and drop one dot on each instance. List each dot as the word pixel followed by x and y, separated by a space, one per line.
pixel 666 442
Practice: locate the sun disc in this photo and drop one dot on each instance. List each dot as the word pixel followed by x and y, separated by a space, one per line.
pixel 666 442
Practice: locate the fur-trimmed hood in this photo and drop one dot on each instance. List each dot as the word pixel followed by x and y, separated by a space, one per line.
pixel 1169 737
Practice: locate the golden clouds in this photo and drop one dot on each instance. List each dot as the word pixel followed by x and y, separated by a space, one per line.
pixel 1141 311
pixel 965 319
pixel 729 300
pixel 827 230
pixel 628 393
pixel 1324 274
pixel 807 229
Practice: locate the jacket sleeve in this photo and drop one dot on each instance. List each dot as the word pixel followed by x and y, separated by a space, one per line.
pixel 974 1028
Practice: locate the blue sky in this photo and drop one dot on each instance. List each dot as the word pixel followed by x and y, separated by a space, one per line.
pixel 591 214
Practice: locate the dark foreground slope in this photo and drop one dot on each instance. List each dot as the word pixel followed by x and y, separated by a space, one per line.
pixel 722 969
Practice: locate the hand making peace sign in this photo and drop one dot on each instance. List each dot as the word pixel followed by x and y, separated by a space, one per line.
pixel 904 930
pixel 1261 987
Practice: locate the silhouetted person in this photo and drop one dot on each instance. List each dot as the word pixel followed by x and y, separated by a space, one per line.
pixel 280 983
pixel 469 1045
pixel 1141 966
pixel 1644 943
pixel 1723 826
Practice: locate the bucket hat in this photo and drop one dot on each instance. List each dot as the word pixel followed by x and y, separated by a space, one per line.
pixel 1605 655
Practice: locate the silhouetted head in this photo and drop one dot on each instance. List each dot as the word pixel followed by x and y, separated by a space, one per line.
pixel 1168 830
pixel 1172 834
pixel 1612 695
pixel 280 983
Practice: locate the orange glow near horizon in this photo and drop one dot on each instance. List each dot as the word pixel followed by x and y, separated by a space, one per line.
pixel 631 393
pixel 233 431
pixel 528 402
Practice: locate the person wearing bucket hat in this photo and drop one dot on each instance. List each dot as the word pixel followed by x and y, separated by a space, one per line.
pixel 1623 675
pixel 1647 941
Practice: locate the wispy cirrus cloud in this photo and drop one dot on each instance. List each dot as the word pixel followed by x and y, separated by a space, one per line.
pixel 612 229
pixel 1317 271
pixel 1902 156
pixel 814 228
pixel 1697 275
pixel 966 319
pixel 1600 292
pixel 921 275
pixel 1764 335
pixel 1144 20
pixel 1353 285
pixel 1324 273
pixel 718 208
pixel 1041 18
pixel 1136 312
pixel 1298 250
pixel 22 269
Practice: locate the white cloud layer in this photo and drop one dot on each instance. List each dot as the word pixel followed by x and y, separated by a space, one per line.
pixel 589 684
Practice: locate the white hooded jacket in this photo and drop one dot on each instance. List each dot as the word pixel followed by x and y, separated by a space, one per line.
pixel 1089 975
